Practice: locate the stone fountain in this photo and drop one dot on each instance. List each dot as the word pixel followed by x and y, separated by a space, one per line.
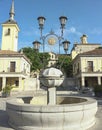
pixel 51 112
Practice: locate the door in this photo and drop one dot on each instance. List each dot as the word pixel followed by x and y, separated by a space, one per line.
pixel 90 66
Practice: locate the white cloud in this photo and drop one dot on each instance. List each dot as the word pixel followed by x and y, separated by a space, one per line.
pixel 73 30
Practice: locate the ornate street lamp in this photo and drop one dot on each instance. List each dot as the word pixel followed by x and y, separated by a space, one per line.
pixel 36 45
pixel 66 45
pixel 63 21
pixel 41 21
pixel 52 37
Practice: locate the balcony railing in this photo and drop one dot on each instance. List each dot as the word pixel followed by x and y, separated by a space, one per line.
pixel 13 72
pixel 91 70
pixel 87 70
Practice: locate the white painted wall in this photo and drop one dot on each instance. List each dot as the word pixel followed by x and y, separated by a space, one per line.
pixel 31 84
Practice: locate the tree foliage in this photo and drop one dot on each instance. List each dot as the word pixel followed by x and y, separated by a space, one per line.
pixel 38 60
pixel 65 64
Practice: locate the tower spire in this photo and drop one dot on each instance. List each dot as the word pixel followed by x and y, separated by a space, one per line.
pixel 12 12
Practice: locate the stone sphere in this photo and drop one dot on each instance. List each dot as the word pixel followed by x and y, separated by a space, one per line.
pixel 52 77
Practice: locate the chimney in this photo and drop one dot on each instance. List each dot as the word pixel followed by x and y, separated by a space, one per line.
pixel 84 39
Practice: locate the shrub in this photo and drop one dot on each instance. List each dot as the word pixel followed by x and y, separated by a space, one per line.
pixel 98 90
pixel 6 90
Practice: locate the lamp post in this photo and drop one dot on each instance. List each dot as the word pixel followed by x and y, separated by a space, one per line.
pixel 66 45
pixel 41 21
pixel 63 21
pixel 51 36
pixel 36 45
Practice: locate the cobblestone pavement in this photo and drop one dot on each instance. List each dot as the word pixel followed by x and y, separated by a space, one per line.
pixel 4 118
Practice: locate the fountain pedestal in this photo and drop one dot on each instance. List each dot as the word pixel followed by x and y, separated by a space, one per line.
pixel 51 78
pixel 51 98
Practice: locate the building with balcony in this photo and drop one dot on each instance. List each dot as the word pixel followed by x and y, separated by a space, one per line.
pixel 14 66
pixel 87 68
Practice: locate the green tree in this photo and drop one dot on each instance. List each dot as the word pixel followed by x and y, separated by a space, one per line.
pixel 65 64
pixel 38 60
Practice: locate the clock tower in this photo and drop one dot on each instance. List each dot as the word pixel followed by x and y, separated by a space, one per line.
pixel 10 31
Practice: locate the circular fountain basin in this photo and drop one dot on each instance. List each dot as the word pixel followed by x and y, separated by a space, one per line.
pixel 68 114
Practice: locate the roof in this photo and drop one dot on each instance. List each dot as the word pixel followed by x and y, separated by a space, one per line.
pixel 5 52
pixel 87 44
pixel 95 52
pixel 9 53
pixel 10 22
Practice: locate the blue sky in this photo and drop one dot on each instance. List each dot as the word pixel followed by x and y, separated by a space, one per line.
pixel 84 17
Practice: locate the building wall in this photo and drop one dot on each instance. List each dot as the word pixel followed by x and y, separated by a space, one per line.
pixel 82 64
pixel 10 41
pixel 88 75
pixel 97 63
pixel 21 64
pixel 31 84
pixel 76 66
pixel 53 59
pixel 69 83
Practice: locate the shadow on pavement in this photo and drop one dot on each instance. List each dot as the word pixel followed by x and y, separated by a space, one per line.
pixel 3 119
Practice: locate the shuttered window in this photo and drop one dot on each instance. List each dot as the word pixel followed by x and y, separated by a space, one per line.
pixel 12 66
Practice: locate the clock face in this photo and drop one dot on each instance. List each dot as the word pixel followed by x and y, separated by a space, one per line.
pixel 51 41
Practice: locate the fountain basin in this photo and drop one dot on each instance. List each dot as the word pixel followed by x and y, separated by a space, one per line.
pixel 74 113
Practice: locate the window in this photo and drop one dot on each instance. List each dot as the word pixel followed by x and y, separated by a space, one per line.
pixel 17 83
pixel 12 66
pixel 8 32
pixel 90 66
pixel 52 56
pixel 51 64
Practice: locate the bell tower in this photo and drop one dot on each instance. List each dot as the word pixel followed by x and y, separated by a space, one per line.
pixel 10 31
